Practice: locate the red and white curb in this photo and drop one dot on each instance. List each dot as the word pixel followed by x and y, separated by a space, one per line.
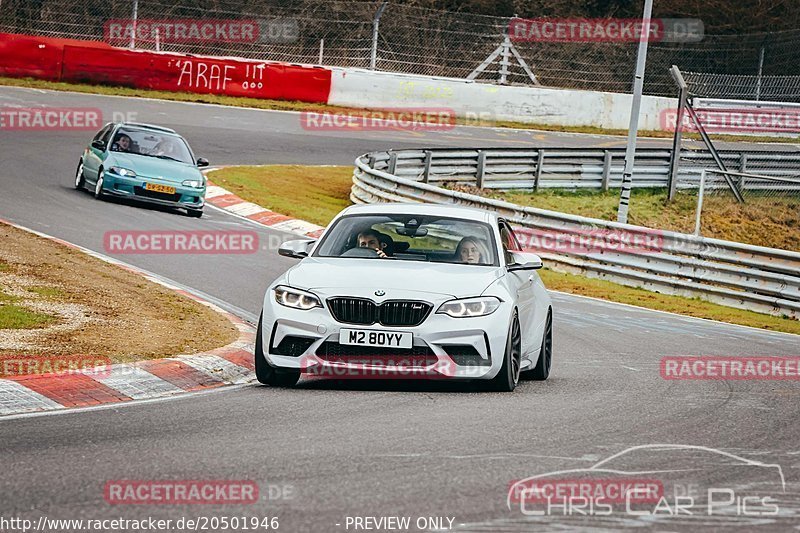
pixel 155 378
pixel 226 200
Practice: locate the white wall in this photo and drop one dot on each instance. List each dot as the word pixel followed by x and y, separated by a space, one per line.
pixel 558 107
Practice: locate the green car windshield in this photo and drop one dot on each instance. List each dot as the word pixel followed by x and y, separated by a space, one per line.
pixel 151 144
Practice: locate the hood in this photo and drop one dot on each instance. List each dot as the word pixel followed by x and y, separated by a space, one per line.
pixel 154 167
pixel 362 277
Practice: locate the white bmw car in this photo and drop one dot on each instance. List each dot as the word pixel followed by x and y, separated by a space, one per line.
pixel 408 290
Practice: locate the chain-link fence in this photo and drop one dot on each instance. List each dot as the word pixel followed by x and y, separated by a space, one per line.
pixel 768 216
pixel 743 87
pixel 410 39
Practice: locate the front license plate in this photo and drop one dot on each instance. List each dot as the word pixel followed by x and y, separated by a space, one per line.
pixel 159 188
pixel 371 337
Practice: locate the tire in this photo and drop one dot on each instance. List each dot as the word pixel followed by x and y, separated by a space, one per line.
pixel 506 380
pixel 98 187
pixel 194 213
pixel 80 181
pixel 542 369
pixel 266 374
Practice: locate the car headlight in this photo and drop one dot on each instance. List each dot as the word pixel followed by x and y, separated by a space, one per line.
pixel 468 307
pixel 193 183
pixel 296 298
pixel 125 172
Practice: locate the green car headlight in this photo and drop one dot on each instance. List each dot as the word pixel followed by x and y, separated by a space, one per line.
pixel 192 183
pixel 124 172
pixel 296 298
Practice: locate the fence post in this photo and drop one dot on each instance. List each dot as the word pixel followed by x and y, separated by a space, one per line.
pixel 538 175
pixel 675 155
pixel 699 202
pixel 426 172
pixel 504 62
pixel 135 20
pixel 606 170
pixel 373 58
pixel 392 162
pixel 481 168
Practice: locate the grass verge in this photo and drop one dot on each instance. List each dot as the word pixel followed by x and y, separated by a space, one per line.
pixel 47 310
pixel 316 194
pixel 764 221
pixel 283 105
pixel 14 316
pixel 310 193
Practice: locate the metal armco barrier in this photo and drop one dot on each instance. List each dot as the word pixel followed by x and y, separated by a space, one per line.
pixel 734 274
pixel 579 168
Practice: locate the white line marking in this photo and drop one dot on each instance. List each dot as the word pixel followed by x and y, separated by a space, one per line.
pixel 117 405
pixel 688 317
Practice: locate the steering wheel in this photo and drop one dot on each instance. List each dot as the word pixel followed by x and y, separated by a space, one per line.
pixel 361 252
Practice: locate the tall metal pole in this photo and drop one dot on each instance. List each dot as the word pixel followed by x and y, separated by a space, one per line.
pixel 675 155
pixel 375 23
pixel 133 26
pixel 636 104
pixel 760 71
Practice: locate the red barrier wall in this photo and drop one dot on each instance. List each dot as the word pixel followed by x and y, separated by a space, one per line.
pixel 207 75
pixel 94 62
pixel 35 57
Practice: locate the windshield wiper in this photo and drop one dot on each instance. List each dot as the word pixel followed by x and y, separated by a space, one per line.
pixel 168 157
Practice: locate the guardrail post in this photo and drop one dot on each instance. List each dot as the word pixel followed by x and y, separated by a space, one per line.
pixel 481 168
pixel 606 170
pixel 372 161
pixel 742 169
pixel 426 171
pixel 699 202
pixel 392 162
pixel 538 175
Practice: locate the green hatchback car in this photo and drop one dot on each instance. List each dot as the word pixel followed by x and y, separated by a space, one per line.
pixel 143 162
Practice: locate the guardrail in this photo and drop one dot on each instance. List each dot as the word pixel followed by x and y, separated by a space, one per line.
pixel 579 168
pixel 735 274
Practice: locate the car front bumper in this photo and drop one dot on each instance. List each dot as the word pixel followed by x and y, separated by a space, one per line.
pixel 438 345
pixel 134 188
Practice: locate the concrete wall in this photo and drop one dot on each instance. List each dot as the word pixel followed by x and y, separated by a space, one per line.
pixel 558 107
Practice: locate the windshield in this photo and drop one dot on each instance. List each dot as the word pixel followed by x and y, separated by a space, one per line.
pixel 152 144
pixel 411 238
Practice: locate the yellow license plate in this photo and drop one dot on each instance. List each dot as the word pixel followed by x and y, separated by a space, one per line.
pixel 159 188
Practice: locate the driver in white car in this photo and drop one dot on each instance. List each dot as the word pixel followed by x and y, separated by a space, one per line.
pixel 370 238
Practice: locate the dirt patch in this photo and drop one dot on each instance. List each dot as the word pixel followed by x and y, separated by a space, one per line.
pixel 97 309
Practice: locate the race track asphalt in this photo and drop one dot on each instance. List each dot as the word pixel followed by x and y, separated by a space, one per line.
pixel 366 448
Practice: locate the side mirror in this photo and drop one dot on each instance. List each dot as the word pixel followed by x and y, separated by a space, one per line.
pixel 202 162
pixel 297 249
pixel 99 145
pixel 524 261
